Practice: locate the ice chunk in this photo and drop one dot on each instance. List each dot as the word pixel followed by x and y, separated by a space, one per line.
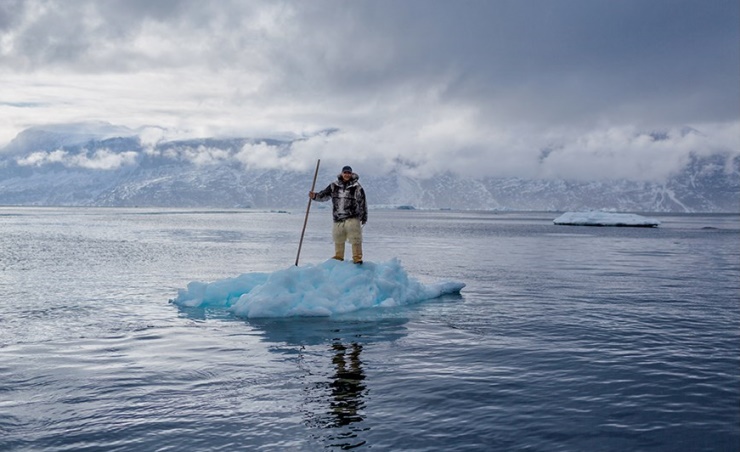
pixel 332 287
pixel 596 218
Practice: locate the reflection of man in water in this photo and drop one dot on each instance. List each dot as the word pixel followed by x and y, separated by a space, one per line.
pixel 346 385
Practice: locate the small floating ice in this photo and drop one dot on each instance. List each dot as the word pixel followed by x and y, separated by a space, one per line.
pixel 605 219
pixel 332 287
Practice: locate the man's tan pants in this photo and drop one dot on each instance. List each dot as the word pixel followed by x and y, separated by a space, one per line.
pixel 349 230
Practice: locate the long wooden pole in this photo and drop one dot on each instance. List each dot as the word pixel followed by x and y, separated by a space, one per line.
pixel 308 208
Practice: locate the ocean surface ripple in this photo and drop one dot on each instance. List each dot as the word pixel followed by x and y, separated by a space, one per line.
pixel 563 339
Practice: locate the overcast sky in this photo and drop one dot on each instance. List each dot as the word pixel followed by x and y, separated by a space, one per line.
pixel 528 88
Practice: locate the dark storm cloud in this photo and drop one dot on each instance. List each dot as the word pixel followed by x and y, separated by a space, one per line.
pixel 561 59
pixel 569 56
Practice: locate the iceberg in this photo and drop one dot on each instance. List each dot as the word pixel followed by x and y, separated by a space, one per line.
pixel 595 218
pixel 325 289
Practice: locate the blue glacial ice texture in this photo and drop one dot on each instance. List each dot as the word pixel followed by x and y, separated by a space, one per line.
pixel 324 289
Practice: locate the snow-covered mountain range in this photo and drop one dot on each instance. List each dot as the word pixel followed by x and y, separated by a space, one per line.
pixel 103 165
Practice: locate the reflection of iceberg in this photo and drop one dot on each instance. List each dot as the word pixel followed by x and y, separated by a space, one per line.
pixel 325 289
pixel 313 331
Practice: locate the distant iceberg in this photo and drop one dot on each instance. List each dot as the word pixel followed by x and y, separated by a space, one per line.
pixel 325 289
pixel 604 219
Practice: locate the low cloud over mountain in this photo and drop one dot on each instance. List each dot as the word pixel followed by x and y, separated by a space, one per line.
pixel 98 164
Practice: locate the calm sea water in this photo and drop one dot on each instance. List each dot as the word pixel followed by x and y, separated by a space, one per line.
pixel 565 338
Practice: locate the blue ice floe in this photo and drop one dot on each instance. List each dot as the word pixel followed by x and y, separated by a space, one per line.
pixel 324 289
pixel 597 218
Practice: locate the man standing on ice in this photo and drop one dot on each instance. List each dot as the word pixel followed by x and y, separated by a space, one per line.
pixel 349 212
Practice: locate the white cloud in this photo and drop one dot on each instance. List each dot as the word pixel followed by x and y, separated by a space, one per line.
pixel 105 160
pixel 34 159
pixel 263 156
pixel 203 155
pixel 102 159
pixel 630 153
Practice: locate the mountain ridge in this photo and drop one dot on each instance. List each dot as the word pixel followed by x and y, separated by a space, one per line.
pixel 109 165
